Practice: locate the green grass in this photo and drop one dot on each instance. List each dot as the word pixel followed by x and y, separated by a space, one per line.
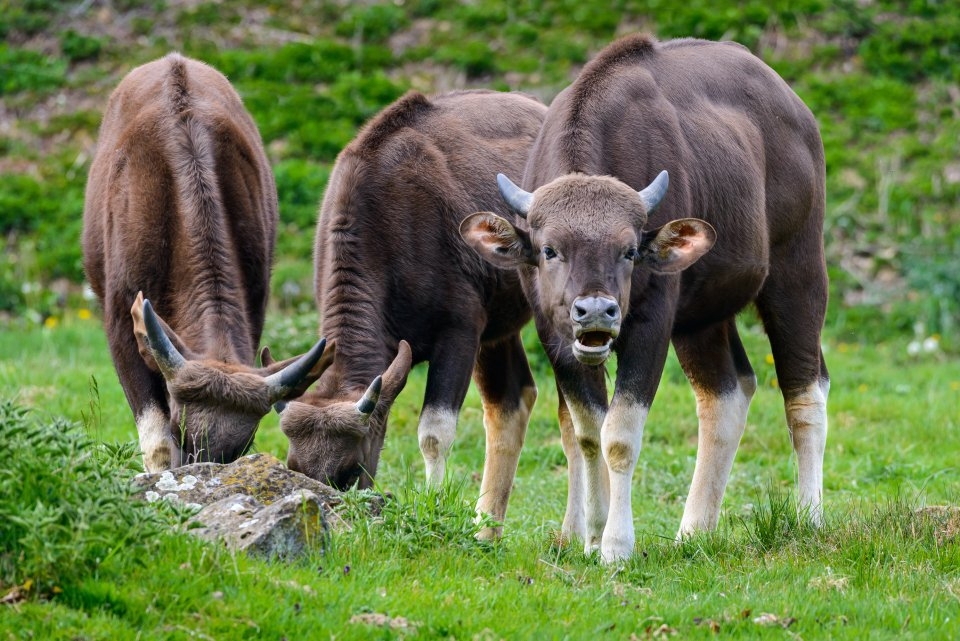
pixel 878 569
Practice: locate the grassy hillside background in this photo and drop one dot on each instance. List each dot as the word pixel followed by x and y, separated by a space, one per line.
pixel 881 76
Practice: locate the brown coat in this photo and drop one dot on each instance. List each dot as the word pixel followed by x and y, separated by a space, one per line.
pixel 396 284
pixel 617 257
pixel 181 206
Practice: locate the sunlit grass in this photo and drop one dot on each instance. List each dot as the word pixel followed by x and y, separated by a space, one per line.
pixel 878 568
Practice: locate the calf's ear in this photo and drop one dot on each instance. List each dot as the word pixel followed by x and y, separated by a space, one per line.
pixel 497 240
pixel 394 379
pixel 140 333
pixel 676 245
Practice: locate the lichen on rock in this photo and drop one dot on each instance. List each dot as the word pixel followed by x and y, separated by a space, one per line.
pixel 255 504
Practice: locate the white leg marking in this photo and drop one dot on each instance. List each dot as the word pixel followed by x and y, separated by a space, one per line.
pixel 621 439
pixel 722 422
pixel 574 520
pixel 505 433
pixel 435 432
pixel 807 422
pixel 586 423
pixel 156 441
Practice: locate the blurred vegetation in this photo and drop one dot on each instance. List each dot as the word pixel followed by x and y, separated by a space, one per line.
pixel 882 77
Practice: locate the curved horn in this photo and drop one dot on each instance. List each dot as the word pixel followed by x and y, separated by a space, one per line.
pixel 652 194
pixel 280 383
pixel 368 403
pixel 518 199
pixel 166 355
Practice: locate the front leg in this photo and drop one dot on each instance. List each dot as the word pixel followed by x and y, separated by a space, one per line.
pixel 448 378
pixel 642 353
pixel 145 388
pixel 723 381
pixel 584 393
pixel 508 392
pixel 574 521
pixel 621 438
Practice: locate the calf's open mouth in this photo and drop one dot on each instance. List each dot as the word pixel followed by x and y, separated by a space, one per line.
pixel 592 347
pixel 595 338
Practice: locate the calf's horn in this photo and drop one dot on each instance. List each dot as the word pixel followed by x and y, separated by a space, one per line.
pixel 368 403
pixel 652 194
pixel 166 355
pixel 280 383
pixel 517 198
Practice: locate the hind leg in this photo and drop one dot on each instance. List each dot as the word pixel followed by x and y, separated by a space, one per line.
pixel 508 392
pixel 724 382
pixel 792 305
pixel 806 410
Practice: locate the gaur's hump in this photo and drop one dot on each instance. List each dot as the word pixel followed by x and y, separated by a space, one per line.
pixel 625 50
pixel 592 84
pixel 596 74
pixel 402 113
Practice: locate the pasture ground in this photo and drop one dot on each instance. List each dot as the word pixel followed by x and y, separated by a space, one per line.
pixel 886 564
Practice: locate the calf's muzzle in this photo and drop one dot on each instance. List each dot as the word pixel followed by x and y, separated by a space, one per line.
pixel 596 323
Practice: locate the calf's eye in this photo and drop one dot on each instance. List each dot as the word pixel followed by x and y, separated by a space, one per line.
pixel 631 254
pixel 549 252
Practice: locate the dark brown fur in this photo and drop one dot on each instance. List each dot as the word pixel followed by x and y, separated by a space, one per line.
pixel 390 266
pixel 746 169
pixel 742 151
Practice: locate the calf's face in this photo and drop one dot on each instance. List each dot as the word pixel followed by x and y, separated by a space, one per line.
pixel 214 406
pixel 335 435
pixel 585 240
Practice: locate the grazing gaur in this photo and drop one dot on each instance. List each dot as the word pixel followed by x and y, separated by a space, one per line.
pixel 396 285
pixel 181 207
pixel 611 260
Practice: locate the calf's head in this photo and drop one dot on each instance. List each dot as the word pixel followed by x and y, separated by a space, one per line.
pixel 215 406
pixel 586 238
pixel 336 431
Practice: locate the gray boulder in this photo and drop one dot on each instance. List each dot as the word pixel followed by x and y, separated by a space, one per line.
pixel 255 504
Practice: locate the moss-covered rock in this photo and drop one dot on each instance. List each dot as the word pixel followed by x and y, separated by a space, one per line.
pixel 254 505
pixel 260 476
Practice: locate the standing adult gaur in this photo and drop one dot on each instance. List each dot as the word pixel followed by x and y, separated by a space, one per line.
pixel 396 285
pixel 181 208
pixel 610 261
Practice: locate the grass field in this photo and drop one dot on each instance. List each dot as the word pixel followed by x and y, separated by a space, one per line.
pixel 885 565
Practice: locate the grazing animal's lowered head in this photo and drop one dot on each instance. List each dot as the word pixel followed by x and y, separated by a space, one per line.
pixel 585 242
pixel 216 405
pixel 337 430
